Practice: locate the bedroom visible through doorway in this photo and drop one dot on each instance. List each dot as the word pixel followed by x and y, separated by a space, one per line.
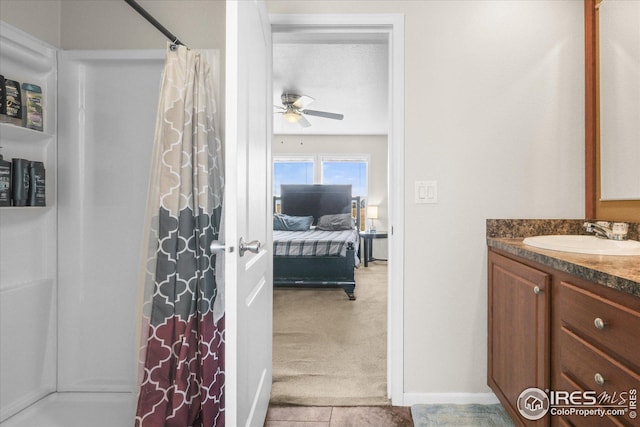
pixel 318 332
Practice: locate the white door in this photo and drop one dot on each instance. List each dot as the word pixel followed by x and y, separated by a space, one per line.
pixel 249 274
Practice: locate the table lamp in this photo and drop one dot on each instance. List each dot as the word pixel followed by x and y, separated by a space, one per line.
pixel 372 213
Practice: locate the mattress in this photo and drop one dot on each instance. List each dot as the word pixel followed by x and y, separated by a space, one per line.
pixel 314 242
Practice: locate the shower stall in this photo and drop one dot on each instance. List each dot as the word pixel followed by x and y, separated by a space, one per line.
pixel 69 272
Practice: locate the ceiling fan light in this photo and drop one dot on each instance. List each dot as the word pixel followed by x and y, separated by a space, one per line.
pixel 291 117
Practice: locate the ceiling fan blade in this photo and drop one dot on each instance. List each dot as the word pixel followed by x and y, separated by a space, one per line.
pixel 280 107
pixel 304 122
pixel 324 114
pixel 303 101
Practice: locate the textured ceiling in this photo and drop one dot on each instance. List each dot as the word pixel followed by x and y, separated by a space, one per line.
pixel 344 75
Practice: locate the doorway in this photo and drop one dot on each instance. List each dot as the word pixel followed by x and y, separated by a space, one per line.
pixel 391 29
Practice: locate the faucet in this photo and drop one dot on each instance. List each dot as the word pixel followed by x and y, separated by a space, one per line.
pixel 604 230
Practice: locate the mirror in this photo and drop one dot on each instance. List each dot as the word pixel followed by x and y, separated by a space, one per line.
pixel 619 52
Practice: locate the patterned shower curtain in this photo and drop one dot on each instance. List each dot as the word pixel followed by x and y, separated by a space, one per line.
pixel 181 370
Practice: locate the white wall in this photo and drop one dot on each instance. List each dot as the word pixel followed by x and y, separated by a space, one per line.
pixel 373 145
pixel 113 24
pixel 40 18
pixel 494 112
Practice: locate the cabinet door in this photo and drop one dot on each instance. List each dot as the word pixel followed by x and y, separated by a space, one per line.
pixel 519 333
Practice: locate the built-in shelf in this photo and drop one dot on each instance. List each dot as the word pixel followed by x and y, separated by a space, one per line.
pixel 10 132
pixel 28 237
pixel 23 208
pixel 22 51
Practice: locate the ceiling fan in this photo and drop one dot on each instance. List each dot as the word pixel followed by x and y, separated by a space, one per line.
pixel 293 110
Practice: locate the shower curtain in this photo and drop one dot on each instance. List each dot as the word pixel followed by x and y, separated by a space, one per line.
pixel 181 369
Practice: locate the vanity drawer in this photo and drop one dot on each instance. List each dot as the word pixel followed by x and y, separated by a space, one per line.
pixel 581 362
pixel 617 328
pixel 575 420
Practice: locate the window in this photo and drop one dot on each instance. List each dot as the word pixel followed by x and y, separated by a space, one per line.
pixel 324 169
pixel 292 170
pixel 346 170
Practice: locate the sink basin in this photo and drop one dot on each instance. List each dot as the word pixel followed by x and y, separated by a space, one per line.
pixel 585 244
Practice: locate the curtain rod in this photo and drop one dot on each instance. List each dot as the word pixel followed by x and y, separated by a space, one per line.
pixel 154 22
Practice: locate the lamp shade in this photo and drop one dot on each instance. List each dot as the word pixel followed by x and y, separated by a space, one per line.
pixel 372 212
pixel 291 116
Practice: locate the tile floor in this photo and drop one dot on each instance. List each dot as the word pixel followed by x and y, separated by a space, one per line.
pixel 324 416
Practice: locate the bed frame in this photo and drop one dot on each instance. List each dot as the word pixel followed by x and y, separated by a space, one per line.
pixel 315 271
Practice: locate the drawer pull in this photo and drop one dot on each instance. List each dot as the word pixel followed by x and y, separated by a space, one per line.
pixel 537 290
pixel 599 379
pixel 599 323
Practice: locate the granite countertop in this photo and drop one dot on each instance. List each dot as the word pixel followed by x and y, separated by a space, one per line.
pixel 617 272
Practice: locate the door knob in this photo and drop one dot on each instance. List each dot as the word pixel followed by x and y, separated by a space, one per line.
pixel 217 246
pixel 252 246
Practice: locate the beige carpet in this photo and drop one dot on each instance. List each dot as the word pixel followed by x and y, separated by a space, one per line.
pixel 327 350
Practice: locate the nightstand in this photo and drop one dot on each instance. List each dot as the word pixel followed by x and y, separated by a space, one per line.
pixel 367 238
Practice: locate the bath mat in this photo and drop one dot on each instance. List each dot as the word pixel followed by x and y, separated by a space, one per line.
pixel 460 416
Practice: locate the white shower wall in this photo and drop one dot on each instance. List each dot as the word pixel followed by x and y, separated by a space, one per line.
pixel 28 238
pixel 107 114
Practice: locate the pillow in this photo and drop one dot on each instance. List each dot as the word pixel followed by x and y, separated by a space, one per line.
pixel 335 222
pixel 291 223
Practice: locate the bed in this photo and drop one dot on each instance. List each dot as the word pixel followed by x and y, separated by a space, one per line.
pixel 324 255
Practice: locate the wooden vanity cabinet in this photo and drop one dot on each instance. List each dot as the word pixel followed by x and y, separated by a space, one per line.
pixel 568 335
pixel 595 344
pixel 519 321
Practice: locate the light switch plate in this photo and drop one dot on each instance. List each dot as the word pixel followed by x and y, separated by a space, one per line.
pixel 426 192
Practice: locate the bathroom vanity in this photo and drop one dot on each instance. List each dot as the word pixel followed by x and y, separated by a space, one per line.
pixel 563 322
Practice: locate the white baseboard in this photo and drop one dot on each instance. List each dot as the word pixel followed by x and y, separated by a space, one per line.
pixel 454 398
